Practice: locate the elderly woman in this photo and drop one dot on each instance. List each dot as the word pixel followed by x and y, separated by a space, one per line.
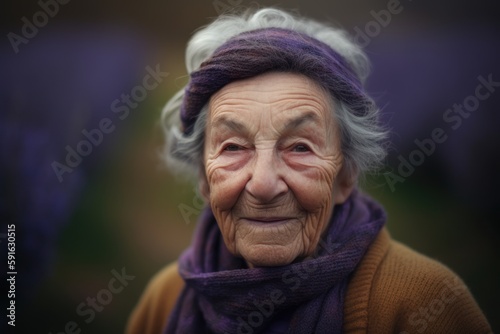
pixel 278 127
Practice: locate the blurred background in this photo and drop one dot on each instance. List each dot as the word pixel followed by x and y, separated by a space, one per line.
pixel 82 85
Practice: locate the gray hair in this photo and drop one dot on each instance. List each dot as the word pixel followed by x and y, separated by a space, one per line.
pixel 362 137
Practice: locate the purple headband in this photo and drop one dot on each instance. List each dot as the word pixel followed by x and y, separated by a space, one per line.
pixel 272 49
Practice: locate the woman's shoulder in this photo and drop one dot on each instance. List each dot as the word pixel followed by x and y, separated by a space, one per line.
pixel 396 289
pixel 157 301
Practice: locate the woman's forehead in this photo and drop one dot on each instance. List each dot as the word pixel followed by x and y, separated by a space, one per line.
pixel 282 94
pixel 282 82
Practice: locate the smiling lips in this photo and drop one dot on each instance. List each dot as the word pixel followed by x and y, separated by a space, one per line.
pixel 267 220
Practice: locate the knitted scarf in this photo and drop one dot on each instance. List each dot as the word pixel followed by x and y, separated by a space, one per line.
pixel 222 295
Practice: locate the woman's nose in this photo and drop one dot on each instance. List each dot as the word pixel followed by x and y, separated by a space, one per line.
pixel 266 182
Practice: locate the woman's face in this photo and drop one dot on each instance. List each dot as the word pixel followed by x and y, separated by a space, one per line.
pixel 272 160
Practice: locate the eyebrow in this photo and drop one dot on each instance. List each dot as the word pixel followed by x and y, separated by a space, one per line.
pixel 231 124
pixel 292 124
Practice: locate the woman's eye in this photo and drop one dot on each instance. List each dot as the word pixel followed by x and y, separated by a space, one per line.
pixel 301 148
pixel 232 148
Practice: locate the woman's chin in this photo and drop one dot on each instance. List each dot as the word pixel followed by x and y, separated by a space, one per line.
pixel 269 255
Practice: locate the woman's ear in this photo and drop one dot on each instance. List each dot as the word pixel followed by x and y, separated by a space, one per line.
pixel 344 184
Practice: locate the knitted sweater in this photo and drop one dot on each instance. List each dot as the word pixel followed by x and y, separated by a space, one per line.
pixel 394 290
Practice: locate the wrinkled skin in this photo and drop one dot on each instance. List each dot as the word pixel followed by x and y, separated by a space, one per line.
pixel 273 167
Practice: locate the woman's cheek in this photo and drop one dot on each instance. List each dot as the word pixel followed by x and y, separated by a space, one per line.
pixel 312 182
pixel 227 228
pixel 311 178
pixel 226 179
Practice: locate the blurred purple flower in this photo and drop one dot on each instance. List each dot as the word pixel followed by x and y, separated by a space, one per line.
pixel 416 78
pixel 62 82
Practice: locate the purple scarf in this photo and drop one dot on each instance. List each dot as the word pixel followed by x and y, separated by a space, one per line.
pixel 222 295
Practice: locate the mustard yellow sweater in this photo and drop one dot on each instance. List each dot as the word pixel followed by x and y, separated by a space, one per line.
pixel 394 290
